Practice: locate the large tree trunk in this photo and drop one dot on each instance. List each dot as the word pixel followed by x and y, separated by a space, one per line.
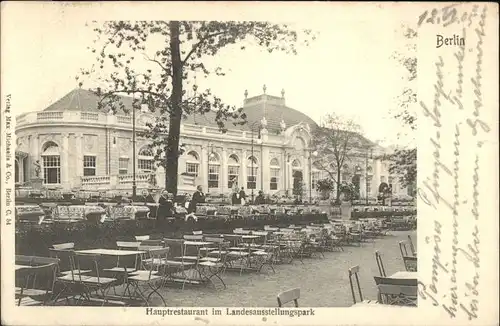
pixel 172 155
pixel 337 199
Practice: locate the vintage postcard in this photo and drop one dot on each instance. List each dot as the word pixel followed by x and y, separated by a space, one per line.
pixel 249 163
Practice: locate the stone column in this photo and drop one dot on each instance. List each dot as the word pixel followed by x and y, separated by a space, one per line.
pixel 362 186
pixel 243 172
pixel 204 168
pixel 266 172
pixel 223 171
pixel 65 163
pixel 376 175
pixel 35 155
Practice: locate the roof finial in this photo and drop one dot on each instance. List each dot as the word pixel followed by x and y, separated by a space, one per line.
pixel 264 88
pixel 246 94
pixel 282 93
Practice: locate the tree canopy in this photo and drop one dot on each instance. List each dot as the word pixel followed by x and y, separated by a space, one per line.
pixel 336 141
pixel 155 60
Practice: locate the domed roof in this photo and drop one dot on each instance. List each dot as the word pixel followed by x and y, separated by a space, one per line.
pixel 255 108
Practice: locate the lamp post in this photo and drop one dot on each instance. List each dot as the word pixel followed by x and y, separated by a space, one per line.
pixel 134 184
pixel 259 141
pixel 311 154
pixel 366 173
pixel 210 154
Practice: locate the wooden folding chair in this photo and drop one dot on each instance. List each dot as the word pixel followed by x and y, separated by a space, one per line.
pixel 410 241
pixel 289 296
pixel 94 281
pixel 400 292
pixel 354 271
pixel 33 290
pixel 151 275
pixel 411 263
pixel 380 264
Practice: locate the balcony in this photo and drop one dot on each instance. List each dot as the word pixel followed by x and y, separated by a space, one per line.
pixel 143 180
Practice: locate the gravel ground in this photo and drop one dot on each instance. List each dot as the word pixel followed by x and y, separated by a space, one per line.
pixel 323 282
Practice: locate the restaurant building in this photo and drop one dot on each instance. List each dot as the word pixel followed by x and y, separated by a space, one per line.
pixel 80 148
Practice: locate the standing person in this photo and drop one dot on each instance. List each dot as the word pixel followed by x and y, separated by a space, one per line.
pixel 236 198
pixel 198 198
pixel 189 209
pixel 166 208
pixel 243 196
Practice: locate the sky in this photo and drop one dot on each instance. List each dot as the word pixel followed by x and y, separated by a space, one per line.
pixel 348 69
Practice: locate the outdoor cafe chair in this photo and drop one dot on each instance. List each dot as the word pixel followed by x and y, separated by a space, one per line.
pixel 176 269
pixel 380 264
pixel 410 263
pixel 289 296
pixel 36 282
pixel 354 274
pixel 151 275
pixel 93 282
pixel 395 291
pixel 65 253
pixel 148 242
pixel 193 237
pixel 410 241
pixel 405 249
pixel 214 263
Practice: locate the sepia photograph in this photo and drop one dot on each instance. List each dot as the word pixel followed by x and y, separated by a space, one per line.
pixel 266 167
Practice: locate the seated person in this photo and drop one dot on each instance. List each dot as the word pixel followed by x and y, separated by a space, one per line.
pixel 260 199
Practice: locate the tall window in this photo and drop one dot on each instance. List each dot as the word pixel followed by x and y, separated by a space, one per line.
pixel 145 161
pixel 51 169
pixel 51 163
pixel 89 165
pixel 192 163
pixel 213 171
pixel 233 169
pixel 123 165
pixel 390 181
pixel 252 173
pixel 275 174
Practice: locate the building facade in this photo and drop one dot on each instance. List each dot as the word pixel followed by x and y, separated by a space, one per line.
pixel 79 148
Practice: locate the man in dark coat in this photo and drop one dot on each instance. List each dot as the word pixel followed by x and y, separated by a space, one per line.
pixel 243 196
pixel 260 199
pixel 236 198
pixel 166 207
pixel 198 198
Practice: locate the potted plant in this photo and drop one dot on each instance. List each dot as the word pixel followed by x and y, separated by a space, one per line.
pixel 325 187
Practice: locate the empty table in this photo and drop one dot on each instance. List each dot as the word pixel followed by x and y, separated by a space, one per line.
pixel 404 275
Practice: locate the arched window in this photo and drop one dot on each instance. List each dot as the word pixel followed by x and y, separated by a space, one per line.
pixel 275 174
pixel 51 160
pixel 213 170
pixel 358 170
pixel 193 163
pixel 296 164
pixel 252 168
pixel 233 169
pixel 145 161
pixel 369 170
